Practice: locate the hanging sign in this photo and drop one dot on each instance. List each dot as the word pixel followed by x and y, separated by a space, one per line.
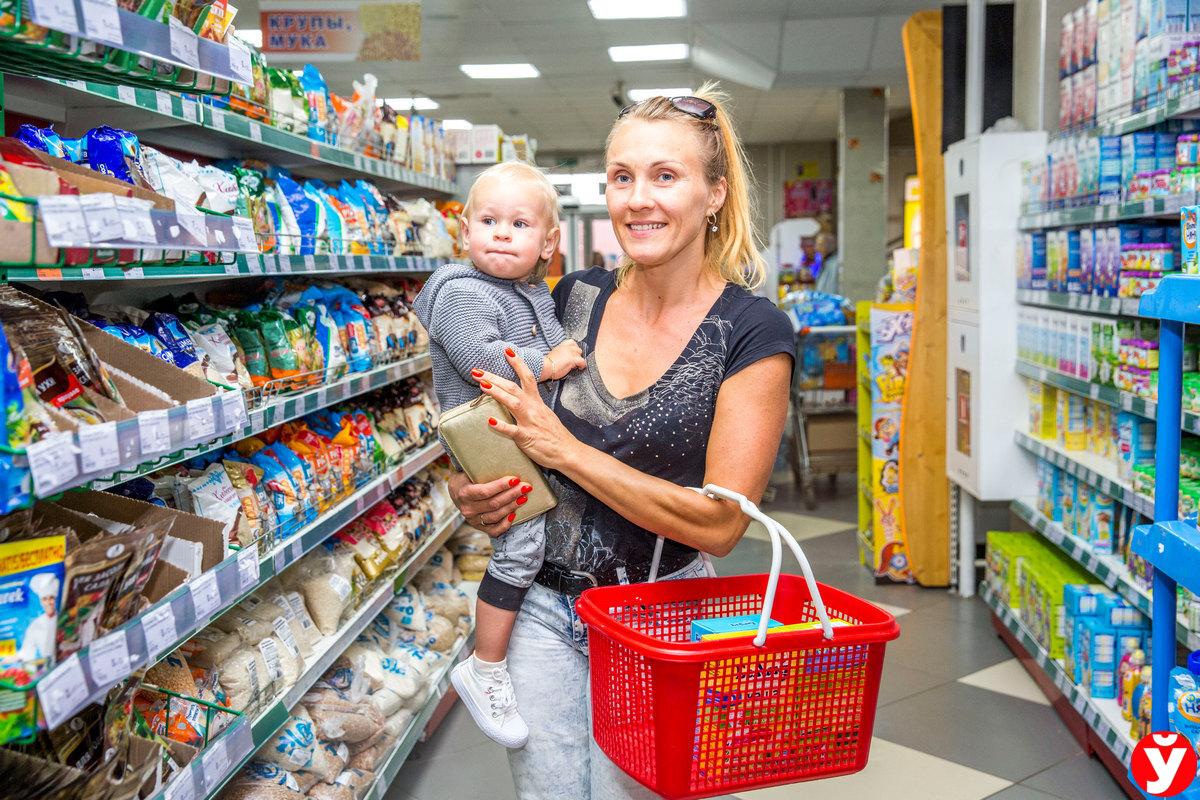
pixel 341 30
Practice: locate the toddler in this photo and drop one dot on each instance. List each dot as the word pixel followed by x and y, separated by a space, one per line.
pixel 473 314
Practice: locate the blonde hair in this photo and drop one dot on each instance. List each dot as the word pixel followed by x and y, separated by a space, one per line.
pixel 732 250
pixel 521 170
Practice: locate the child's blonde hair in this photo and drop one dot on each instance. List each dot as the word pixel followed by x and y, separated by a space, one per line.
pixel 732 250
pixel 521 170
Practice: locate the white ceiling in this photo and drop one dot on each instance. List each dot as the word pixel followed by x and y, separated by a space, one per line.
pixel 813 46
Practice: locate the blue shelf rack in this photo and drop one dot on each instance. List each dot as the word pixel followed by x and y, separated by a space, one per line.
pixel 1170 546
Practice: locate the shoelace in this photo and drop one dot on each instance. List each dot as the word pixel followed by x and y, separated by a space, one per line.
pixel 501 694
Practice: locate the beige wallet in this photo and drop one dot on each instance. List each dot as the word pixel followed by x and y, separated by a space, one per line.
pixel 486 456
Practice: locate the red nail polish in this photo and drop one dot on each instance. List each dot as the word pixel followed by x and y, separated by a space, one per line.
pixel 521 500
pixel 512 516
pixel 508 351
pixel 513 482
pixel 478 373
pixel 526 489
pixel 492 421
pixel 485 384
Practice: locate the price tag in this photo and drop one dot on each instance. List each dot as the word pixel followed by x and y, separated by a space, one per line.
pixel 256 131
pixel 215 765
pixel 239 61
pixel 233 409
pixel 109 659
pixel 364 262
pixel 63 691
pixel 191 110
pixel 154 431
pixel 218 118
pixel 310 264
pixel 206 597
pixel 182 787
pixel 247 565
pixel 52 462
pixel 185 46
pixel 134 273
pixel 284 632
pixel 358 162
pixel 63 220
pixel 127 95
pixel 92 273
pixel 231 267
pixel 192 220
pixel 98 448
pixel 201 422
pixel 58 15
pixel 135 217
pixel 158 625
pixel 243 233
pixel 103 219
pixel 101 21
pixel 162 102
pixel 256 268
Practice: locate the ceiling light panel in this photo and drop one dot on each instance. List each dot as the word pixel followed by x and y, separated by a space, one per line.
pixel 456 125
pixel 637 9
pixel 638 95
pixel 649 52
pixel 415 103
pixel 499 71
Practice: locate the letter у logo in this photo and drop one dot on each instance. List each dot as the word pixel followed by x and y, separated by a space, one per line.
pixel 1163 764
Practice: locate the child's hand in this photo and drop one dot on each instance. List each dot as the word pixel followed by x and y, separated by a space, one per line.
pixel 560 361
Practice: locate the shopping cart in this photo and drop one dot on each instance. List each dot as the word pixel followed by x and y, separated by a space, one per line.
pixel 823 418
pixel 696 719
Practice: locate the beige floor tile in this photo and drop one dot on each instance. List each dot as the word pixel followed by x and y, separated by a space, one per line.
pixel 895 611
pixel 1007 677
pixel 802 526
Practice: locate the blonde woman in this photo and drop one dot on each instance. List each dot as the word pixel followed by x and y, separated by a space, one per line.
pixel 686 383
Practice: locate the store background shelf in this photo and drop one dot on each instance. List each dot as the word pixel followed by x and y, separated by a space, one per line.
pixel 234 747
pixel 1089 468
pixel 167 119
pixel 1105 394
pixel 1091 304
pixel 265 264
pixel 1113 212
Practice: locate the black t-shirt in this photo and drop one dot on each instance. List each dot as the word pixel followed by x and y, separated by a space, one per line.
pixel 662 431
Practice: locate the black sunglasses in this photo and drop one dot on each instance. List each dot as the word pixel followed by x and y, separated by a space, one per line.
pixel 693 106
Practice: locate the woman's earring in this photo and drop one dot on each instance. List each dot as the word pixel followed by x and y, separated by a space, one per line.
pixel 712 222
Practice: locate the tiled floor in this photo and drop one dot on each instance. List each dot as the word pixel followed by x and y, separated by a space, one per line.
pixel 958 717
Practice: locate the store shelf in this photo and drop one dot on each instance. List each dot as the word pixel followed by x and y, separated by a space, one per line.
pixel 1112 306
pixel 1184 106
pixel 223 757
pixel 275 412
pixel 1097 472
pixel 1105 394
pixel 1103 717
pixel 1174 548
pixel 192 606
pixel 1112 212
pixel 265 264
pixel 168 119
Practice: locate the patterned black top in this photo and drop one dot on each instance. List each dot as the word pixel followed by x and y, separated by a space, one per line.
pixel 662 431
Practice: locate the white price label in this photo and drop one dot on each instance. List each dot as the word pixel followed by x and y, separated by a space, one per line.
pixel 239 61
pixel 158 626
pixel 206 597
pixel 162 102
pixel 182 786
pixel 256 131
pixel 98 448
pixel 255 267
pixel 358 162
pixel 58 15
pixel 201 421
pixel 215 765
pixel 109 660
pixel 103 219
pixel 233 409
pixel 63 220
pixel 364 262
pixel 310 264
pixel 127 95
pixel 101 21
pixel 192 221
pixel 191 110
pixel 154 431
pixel 134 273
pixel 135 218
pixel 63 691
pixel 284 632
pixel 243 233
pixel 218 118
pixel 247 566
pixel 53 463
pixel 185 46
pixel 231 267
pixel 92 273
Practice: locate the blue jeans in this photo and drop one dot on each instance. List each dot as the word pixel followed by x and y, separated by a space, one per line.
pixel 548 662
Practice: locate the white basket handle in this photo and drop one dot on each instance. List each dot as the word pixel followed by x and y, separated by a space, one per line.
pixel 776 532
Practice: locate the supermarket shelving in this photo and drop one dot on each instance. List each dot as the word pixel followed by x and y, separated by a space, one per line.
pixel 1091 304
pixel 245 265
pixel 1105 394
pixel 224 756
pixel 1112 212
pixel 1091 469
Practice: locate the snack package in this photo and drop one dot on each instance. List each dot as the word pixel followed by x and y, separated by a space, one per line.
pixel 282 492
pixel 214 497
pixel 116 153
pixel 31 580
pixel 44 139
pixel 304 212
pixel 170 331
pixel 252 203
pixel 284 113
pixel 317 93
pixel 167 176
pixel 220 189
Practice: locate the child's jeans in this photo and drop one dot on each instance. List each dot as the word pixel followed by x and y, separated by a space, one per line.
pixel 517 556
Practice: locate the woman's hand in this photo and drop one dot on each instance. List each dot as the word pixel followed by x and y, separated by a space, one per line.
pixel 490 507
pixel 538 432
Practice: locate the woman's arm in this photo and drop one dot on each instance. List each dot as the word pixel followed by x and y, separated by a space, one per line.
pixel 747 426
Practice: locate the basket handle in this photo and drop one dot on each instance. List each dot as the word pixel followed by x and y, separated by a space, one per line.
pixel 776 532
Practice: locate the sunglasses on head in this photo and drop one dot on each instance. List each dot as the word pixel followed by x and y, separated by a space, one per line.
pixel 693 106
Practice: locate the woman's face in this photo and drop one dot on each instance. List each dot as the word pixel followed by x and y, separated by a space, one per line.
pixel 656 191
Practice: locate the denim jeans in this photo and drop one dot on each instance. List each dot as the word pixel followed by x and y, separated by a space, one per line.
pixel 548 662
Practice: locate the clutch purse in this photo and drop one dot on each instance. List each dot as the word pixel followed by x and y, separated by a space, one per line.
pixel 486 456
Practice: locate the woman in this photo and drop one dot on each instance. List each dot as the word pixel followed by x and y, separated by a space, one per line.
pixel 686 383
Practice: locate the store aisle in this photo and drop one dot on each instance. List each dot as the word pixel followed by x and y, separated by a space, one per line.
pixel 959 718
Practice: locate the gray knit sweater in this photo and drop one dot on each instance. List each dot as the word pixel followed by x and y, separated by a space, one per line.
pixel 471 317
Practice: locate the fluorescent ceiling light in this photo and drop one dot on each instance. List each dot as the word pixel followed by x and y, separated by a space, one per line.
pixel 493 71
pixel 649 52
pixel 415 103
pixel 456 125
pixel 637 9
pixel 638 95
pixel 250 35
pixel 719 59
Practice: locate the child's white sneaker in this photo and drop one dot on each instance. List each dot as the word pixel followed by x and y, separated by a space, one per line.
pixel 487 692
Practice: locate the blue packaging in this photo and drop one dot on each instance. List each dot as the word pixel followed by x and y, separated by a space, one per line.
pixel 1037 260
pixel 1115 613
pixel 169 330
pixel 745 622
pixel 1109 186
pixel 281 489
pixel 298 469
pixel 1153 234
pixel 1098 650
pixel 44 139
pixel 1183 706
pixel 114 152
pixel 1073 281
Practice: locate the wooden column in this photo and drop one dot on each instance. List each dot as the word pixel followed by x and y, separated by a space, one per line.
pixel 923 485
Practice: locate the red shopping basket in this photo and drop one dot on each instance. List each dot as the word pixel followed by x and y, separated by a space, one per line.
pixel 695 719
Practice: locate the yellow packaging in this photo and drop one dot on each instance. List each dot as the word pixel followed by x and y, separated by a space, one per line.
pixel 1042 411
pixel 1070 421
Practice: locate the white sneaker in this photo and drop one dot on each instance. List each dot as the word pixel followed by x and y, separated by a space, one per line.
pixel 492 703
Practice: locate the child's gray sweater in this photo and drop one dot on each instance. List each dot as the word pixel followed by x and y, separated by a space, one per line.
pixel 471 317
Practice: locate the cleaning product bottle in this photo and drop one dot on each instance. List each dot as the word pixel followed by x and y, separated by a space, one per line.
pixel 1129 677
pixel 1141 706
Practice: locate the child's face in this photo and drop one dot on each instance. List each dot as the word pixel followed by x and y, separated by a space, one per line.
pixel 508 229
